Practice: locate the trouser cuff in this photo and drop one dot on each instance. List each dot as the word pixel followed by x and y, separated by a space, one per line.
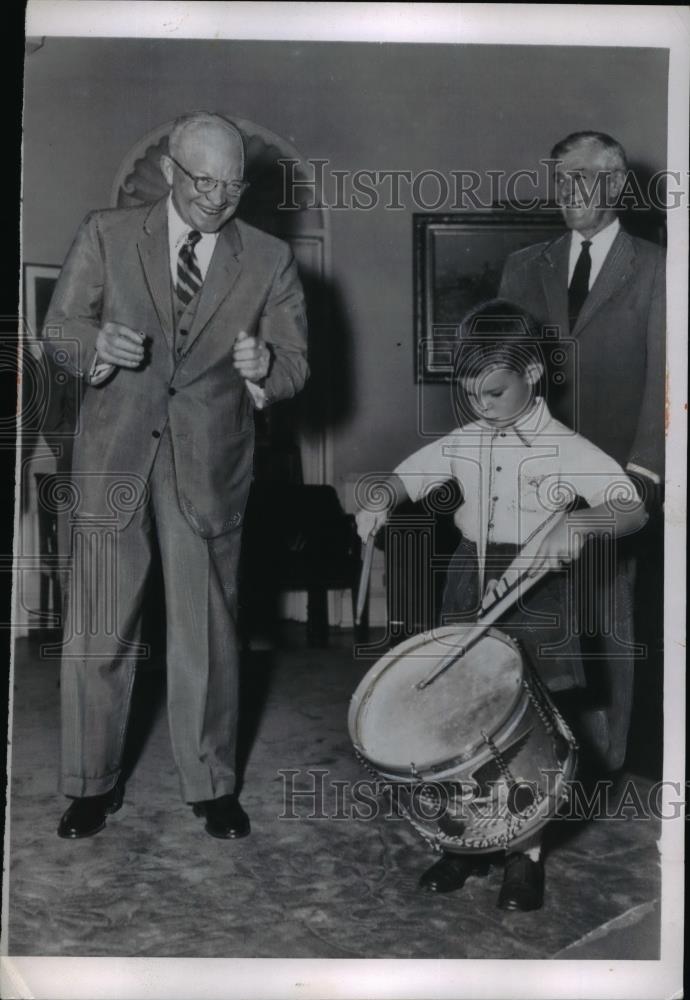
pixel 77 786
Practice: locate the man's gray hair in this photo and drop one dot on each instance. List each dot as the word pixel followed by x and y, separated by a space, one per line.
pixel 200 119
pixel 615 154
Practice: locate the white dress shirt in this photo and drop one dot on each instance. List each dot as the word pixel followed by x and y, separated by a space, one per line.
pixel 601 244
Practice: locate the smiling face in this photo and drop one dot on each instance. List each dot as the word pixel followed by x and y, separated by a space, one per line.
pixel 209 151
pixel 587 185
pixel 499 395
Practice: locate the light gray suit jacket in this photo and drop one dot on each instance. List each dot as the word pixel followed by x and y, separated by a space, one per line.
pixel 118 269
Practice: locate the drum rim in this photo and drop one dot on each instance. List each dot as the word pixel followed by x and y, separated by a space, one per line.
pixel 359 700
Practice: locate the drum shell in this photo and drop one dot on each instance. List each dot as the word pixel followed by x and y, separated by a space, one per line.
pixel 521 746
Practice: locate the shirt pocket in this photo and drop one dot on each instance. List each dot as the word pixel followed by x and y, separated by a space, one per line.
pixel 531 498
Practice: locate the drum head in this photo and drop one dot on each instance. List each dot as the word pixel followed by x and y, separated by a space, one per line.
pixel 398 727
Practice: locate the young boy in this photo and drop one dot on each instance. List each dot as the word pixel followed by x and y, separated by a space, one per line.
pixel 517 469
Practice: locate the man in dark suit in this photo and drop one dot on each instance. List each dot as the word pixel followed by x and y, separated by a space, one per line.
pixel 181 319
pixel 605 290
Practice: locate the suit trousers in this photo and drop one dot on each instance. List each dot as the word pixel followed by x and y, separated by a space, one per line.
pixel 101 647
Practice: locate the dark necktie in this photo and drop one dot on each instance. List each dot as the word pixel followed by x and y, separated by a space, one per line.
pixel 579 285
pixel 189 279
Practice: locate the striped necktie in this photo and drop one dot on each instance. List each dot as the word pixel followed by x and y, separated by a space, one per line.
pixel 189 279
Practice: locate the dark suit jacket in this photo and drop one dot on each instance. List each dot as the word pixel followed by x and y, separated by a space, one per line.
pixel 118 269
pixel 616 398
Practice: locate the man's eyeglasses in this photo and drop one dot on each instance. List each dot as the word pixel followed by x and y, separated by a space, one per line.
pixel 204 185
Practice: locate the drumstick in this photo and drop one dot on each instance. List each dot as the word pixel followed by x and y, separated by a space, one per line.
pixel 521 586
pixel 522 583
pixel 364 578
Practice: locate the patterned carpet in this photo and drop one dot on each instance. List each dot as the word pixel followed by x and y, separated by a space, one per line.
pixel 312 880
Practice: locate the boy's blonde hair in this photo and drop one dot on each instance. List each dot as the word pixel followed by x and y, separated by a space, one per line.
pixel 497 332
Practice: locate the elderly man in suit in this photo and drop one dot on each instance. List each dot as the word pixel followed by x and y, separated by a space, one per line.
pixel 605 289
pixel 181 319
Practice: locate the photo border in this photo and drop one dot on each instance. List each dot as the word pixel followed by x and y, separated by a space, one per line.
pixel 644 26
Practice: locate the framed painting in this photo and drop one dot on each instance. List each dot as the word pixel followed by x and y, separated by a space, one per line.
pixel 39 282
pixel 458 259
pixel 50 395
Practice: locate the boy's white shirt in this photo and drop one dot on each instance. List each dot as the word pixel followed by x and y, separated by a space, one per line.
pixel 178 230
pixel 515 478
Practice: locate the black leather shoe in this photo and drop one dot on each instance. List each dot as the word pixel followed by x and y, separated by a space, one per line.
pixel 451 872
pixel 87 815
pixel 225 817
pixel 523 884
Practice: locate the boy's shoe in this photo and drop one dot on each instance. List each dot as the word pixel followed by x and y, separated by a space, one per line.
pixel 523 884
pixel 451 872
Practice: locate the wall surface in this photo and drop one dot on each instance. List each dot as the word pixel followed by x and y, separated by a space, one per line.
pixel 373 106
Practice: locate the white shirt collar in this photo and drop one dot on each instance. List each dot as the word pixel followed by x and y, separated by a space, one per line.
pixel 602 240
pixel 178 229
pixel 531 423
pixel 601 243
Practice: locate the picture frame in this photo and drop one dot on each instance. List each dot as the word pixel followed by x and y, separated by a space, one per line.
pixel 458 259
pixel 38 285
pixel 50 394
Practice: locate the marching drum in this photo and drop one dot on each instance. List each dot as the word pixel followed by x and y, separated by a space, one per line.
pixel 477 753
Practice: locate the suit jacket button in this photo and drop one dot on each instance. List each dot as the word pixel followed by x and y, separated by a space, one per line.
pixel 171 391
pixel 155 434
pixel 183 332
